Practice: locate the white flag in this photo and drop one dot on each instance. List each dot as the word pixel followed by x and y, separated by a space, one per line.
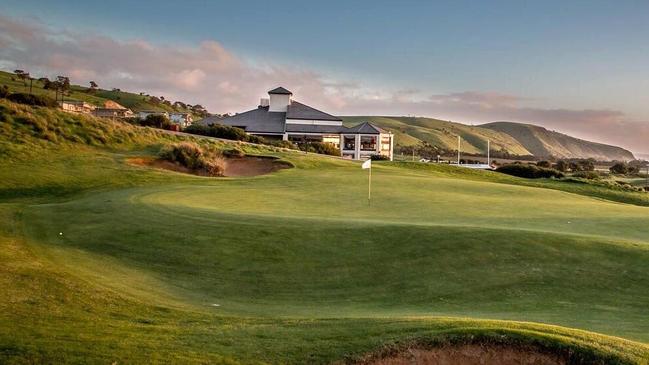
pixel 367 164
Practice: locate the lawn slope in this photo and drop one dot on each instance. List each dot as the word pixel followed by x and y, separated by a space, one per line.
pixel 104 261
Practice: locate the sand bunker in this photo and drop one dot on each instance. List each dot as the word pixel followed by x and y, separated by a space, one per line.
pixel 234 166
pixel 253 166
pixel 470 354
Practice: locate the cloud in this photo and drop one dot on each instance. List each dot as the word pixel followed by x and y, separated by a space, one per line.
pixel 209 74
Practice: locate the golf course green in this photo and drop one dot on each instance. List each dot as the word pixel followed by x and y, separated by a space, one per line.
pixel 105 261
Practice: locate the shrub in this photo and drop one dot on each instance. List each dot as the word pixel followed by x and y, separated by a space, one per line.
pixel 529 171
pixel 619 168
pixel 323 148
pixel 545 164
pixel 28 99
pixel 192 156
pixel 561 165
pixel 380 158
pixel 283 144
pixel 4 91
pixel 223 131
pixel 590 175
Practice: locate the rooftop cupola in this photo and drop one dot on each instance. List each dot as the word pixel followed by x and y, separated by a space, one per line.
pixel 280 99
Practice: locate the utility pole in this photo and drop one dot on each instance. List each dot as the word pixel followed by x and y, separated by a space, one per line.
pixel 488 150
pixel 458 150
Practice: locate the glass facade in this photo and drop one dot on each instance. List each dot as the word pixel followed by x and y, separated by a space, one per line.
pixel 368 143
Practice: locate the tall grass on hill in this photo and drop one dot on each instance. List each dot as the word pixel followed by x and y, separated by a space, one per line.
pixel 25 128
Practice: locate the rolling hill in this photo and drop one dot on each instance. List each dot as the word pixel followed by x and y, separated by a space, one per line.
pixel 544 143
pixel 413 130
pixel 515 138
pixel 103 261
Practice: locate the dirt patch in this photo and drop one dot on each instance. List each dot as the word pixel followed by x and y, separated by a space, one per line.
pixel 234 166
pixel 470 354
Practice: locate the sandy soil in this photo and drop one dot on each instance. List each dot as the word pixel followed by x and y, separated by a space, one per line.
pixel 237 166
pixel 253 166
pixel 470 355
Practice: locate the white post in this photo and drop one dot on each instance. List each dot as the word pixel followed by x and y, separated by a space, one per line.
pixel 458 150
pixel 357 147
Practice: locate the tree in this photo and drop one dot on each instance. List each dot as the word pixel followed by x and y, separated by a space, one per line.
pixel 63 84
pixel 561 165
pixel 47 84
pixel 93 87
pixel 574 166
pixel 619 168
pixel 21 76
pixel 587 164
pixel 544 163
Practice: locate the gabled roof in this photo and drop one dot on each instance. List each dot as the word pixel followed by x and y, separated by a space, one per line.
pixel 280 90
pixel 258 120
pixel 366 128
pixel 298 110
pixel 315 128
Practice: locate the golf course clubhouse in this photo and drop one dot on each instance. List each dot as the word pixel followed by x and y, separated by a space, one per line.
pixel 281 117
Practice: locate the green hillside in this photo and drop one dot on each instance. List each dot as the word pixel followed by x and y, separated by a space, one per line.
pixel 515 138
pixel 542 142
pixel 412 130
pixel 135 102
pixel 102 261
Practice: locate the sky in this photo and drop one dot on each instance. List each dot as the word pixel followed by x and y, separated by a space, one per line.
pixel 579 67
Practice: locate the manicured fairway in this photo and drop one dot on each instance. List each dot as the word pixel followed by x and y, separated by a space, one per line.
pixel 104 261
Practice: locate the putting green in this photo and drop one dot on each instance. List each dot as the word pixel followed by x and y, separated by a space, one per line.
pixel 305 243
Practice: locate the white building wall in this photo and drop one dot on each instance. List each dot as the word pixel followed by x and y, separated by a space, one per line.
pixel 279 102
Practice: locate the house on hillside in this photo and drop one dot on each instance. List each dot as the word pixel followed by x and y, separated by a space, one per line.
pixel 112 109
pixel 181 119
pixel 78 107
pixel 141 115
pixel 280 117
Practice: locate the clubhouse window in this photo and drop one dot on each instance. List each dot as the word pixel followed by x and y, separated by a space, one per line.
pixel 368 143
pixel 349 142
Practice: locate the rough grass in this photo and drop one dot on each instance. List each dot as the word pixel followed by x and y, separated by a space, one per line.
pixel 303 270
